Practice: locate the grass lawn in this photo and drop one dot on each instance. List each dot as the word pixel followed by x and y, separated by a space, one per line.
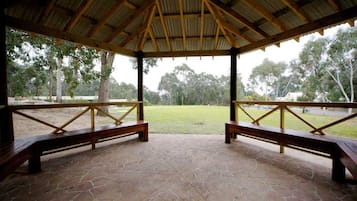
pixel 210 120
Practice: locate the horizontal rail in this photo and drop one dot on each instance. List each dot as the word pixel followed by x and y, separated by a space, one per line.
pixel 300 104
pixel 67 105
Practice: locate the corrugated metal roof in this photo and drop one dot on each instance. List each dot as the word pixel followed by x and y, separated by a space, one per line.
pixel 246 20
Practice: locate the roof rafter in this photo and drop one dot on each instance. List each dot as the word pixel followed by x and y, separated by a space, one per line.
pixel 231 28
pixel 40 29
pixel 344 15
pixel 46 11
pixel 335 5
pixel 105 18
pixel 229 11
pixel 147 23
pixel 182 19
pixel 131 18
pixel 202 21
pixel 297 10
pixel 219 22
pixel 216 37
pixel 163 24
pixel 153 39
pixel 268 16
pixel 82 8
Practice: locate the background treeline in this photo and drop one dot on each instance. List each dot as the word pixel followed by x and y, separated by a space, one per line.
pixel 324 71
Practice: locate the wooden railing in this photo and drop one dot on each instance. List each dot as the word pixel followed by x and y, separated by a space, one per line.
pixel 89 107
pixel 284 107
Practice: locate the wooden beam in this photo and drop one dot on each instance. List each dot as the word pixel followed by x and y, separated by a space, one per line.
pixel 164 27
pixel 242 20
pixel 82 8
pixel 105 18
pixel 140 58
pixel 232 29
pixel 351 23
pixel 132 35
pixel 47 31
pixel 130 5
pixel 182 24
pixel 129 20
pixel 177 15
pixel 6 122
pixel 216 37
pixel 334 4
pixel 233 83
pixel 186 53
pixel 297 10
pixel 148 24
pixel 266 14
pixel 219 22
pixel 333 19
pixel 202 21
pixel 46 11
pixel 153 39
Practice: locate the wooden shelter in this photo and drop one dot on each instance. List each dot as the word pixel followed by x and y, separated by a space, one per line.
pixel 169 28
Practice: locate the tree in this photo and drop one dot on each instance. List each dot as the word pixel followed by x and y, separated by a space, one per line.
pixel 327 67
pixel 269 77
pixel 45 56
pixel 107 59
pixel 341 62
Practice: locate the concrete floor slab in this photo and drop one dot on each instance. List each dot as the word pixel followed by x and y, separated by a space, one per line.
pixel 179 167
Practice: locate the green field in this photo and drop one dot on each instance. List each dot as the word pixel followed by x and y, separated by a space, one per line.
pixel 211 119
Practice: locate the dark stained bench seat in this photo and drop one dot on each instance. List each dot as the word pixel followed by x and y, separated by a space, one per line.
pixel 32 148
pixel 343 152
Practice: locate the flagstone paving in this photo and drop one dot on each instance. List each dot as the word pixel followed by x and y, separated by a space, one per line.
pixel 179 167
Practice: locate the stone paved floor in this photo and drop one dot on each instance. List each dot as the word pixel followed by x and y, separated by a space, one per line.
pixel 179 167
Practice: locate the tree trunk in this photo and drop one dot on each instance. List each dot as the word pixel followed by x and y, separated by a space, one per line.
pixel 50 84
pixel 107 59
pixel 59 81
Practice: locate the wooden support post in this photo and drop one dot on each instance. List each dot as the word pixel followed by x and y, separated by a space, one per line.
pixel 233 91
pixel 6 125
pixel 140 58
pixel 282 124
pixel 92 122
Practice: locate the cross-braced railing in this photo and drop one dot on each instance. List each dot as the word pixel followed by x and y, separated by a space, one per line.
pixel 284 107
pixel 89 107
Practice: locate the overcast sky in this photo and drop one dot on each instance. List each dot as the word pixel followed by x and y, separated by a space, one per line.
pixel 218 65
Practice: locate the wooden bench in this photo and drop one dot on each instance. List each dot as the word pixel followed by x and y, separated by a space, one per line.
pixel 32 148
pixel 343 152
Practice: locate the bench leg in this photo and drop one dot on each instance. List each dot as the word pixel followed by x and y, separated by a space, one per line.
pixel 228 135
pixel 144 135
pixel 338 170
pixel 34 165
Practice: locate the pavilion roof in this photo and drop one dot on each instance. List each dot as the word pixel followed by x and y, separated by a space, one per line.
pixel 162 28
